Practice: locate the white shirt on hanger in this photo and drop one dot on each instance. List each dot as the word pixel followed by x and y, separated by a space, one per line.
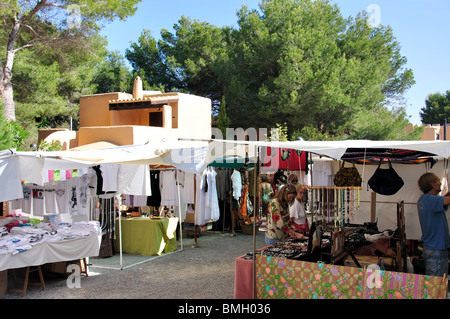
pixel 236 179
pixel 168 187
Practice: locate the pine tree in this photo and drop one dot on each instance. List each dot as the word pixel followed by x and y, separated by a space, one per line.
pixel 6 138
pixel 223 121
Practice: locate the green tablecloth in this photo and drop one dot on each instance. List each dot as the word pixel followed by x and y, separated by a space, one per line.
pixel 147 237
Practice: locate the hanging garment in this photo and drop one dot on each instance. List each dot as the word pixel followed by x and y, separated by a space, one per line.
pixel 27 202
pixel 61 197
pixel 10 168
pixel 155 199
pixel 109 174
pixel 71 189
pixel 207 204
pixel 243 208
pixel 134 180
pixel 188 188
pixel 322 173
pixel 222 184
pixel 213 200
pixel 168 187
pixel 444 179
pixel 50 201
pixel 82 190
pixel 236 180
pixel 99 185
pixel 38 201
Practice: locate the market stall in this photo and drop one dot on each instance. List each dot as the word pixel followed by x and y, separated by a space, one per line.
pixel 347 219
pixel 68 185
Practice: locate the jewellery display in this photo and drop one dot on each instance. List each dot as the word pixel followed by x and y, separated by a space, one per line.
pixel 333 205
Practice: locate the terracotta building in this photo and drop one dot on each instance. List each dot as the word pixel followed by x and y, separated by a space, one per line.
pixel 128 119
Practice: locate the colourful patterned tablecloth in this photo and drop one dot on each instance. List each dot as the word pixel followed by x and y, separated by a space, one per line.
pixel 286 278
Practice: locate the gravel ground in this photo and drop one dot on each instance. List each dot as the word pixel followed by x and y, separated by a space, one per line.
pixel 203 272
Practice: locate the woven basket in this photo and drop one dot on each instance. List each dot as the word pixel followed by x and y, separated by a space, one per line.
pixel 247 229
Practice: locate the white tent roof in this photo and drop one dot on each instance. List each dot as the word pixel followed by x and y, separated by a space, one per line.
pixel 336 149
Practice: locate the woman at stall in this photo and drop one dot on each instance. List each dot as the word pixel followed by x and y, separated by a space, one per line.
pixel 278 219
pixel 297 211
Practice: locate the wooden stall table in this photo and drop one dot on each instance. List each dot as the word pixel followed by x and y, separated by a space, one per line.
pixel 146 236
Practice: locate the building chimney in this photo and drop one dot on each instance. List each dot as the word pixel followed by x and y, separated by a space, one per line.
pixel 138 93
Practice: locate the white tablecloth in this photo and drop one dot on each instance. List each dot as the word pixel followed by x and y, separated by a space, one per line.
pixel 50 252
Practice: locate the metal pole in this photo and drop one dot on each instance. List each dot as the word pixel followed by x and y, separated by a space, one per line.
pixel 179 213
pixel 256 173
pixel 445 129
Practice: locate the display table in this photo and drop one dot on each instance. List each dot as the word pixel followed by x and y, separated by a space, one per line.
pixel 145 236
pixel 243 278
pixel 51 252
pixel 294 279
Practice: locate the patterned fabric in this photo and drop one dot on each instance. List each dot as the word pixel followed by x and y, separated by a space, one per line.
pixel 278 221
pixel 285 279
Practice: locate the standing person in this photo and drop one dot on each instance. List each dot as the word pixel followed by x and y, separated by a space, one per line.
pixel 278 221
pixel 434 225
pixel 297 211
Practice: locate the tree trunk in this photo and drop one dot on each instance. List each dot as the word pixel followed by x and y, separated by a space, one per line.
pixel 6 88
pixel 9 107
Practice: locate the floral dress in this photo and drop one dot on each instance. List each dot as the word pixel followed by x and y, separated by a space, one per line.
pixel 278 221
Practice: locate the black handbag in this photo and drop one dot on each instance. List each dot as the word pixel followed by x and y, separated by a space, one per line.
pixel 385 181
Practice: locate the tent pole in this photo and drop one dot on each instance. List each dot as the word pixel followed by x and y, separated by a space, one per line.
pixel 312 193
pixel 179 213
pixel 120 231
pixel 195 245
pixel 256 175
pixel 231 206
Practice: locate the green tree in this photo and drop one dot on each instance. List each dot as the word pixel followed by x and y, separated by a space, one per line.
pixel 6 138
pixel 223 121
pixel 298 62
pixel 384 124
pixel 48 88
pixel 113 75
pixel 60 25
pixel 12 134
pixel 437 108
pixel 191 60
pixel 302 63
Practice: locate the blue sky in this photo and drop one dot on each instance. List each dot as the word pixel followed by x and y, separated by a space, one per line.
pixel 420 26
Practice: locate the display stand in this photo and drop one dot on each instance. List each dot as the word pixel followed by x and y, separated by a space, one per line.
pixel 28 270
pixel 401 257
